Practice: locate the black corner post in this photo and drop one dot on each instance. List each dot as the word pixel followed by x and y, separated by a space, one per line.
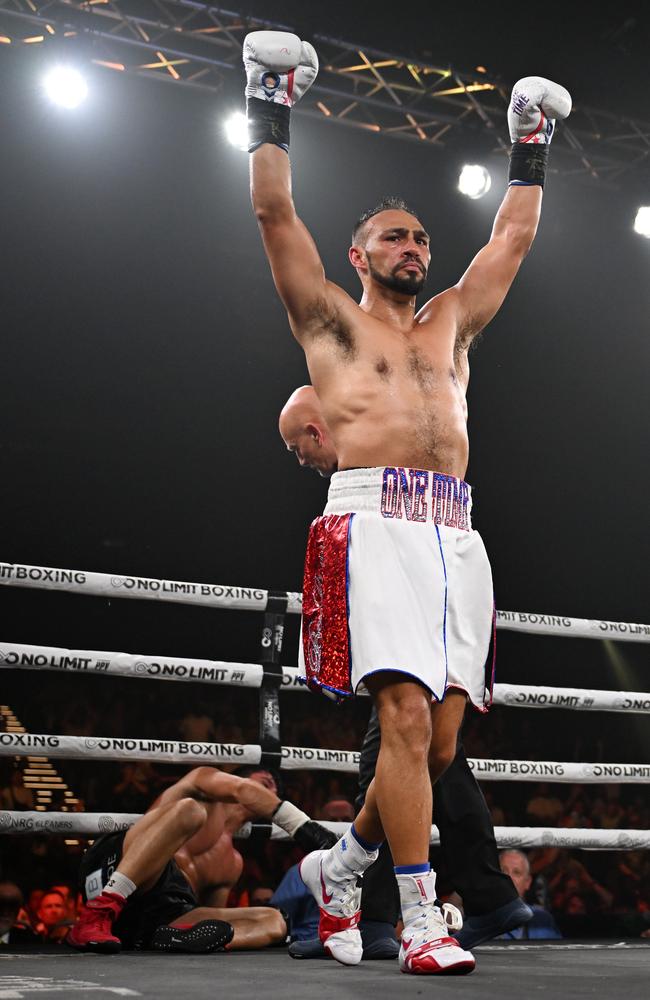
pixel 270 658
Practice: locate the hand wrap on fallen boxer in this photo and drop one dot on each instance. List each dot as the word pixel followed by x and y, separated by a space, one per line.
pixel 535 104
pixel 308 834
pixel 280 68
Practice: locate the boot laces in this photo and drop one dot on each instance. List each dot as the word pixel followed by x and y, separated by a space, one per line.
pixel 345 891
pixel 429 925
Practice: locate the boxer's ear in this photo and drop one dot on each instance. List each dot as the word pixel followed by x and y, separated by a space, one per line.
pixel 357 258
pixel 315 433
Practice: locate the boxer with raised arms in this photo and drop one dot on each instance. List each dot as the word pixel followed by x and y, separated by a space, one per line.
pixel 397 596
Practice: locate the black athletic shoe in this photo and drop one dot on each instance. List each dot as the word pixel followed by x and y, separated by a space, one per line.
pixel 312 948
pixel 477 930
pixel 200 939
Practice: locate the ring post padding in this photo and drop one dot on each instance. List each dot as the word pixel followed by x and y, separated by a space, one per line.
pixel 269 698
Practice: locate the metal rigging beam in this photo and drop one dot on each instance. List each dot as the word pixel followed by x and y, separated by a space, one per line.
pixel 196 44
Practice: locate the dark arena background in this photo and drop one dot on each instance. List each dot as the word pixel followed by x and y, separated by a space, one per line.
pixel 145 359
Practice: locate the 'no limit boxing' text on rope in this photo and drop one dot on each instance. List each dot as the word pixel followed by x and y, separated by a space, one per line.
pixel 255 599
pixel 298 758
pixel 95 824
pixel 108 664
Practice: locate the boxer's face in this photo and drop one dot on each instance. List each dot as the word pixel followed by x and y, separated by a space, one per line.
pixel 265 779
pixel 396 251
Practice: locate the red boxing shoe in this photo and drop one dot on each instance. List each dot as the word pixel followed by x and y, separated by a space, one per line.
pixel 94 929
pixel 427 949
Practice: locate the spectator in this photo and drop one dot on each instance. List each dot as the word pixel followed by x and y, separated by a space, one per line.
pixel 52 916
pixel 197 727
pixel 613 815
pixel 69 894
pixel 33 904
pixel 135 790
pixel 292 898
pixel 13 930
pixel 544 809
pixel 572 881
pixel 16 796
pixel 261 895
pixel 496 812
pixel 337 811
pixel 515 864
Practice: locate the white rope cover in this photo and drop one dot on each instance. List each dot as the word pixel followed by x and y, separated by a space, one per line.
pixel 85 661
pixel 95 824
pixel 577 628
pixel 524 837
pixel 106 663
pixel 75 581
pixel 255 599
pixel 299 758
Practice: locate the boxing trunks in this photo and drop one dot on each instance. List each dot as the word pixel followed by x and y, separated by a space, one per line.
pixel 396 579
pixel 170 897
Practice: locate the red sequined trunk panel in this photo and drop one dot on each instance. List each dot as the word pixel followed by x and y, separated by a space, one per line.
pixel 325 638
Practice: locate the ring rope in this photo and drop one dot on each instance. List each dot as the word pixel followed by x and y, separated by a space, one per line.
pixel 95 824
pixel 254 599
pixel 299 758
pixel 19 656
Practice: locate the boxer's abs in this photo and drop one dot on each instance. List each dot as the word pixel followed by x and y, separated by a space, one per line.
pixel 404 428
pixel 393 399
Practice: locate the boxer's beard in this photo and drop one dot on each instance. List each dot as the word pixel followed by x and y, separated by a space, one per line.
pixel 406 285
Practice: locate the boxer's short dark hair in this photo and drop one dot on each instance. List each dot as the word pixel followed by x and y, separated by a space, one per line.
pixel 390 202
pixel 245 771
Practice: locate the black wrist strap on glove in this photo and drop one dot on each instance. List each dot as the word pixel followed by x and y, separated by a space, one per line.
pixel 528 163
pixel 267 122
pixel 304 831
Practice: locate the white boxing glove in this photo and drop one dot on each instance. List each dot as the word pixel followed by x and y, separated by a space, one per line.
pixel 280 68
pixel 534 106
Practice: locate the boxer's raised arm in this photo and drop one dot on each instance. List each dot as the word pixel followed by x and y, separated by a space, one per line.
pixel 485 284
pixel 534 106
pixel 279 69
pixel 295 263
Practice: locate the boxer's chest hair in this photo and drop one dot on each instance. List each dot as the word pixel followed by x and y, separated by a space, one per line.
pixel 414 363
pixel 417 368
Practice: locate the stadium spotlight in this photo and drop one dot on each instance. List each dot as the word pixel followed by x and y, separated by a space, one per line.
pixel 474 181
pixel 236 129
pixel 65 86
pixel 642 221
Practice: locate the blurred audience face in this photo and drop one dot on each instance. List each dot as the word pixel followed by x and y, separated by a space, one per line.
pixel 52 909
pixel 515 864
pixel 261 896
pixel 34 901
pixel 575 906
pixel 11 899
pixel 337 811
pixel 69 898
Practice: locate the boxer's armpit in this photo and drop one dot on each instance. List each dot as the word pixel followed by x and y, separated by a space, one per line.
pixel 323 318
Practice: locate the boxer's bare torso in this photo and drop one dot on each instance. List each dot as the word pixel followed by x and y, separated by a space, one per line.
pixel 391 382
pixel 391 396
pixel 210 861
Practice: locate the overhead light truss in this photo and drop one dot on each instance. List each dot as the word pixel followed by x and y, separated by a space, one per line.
pixel 196 44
